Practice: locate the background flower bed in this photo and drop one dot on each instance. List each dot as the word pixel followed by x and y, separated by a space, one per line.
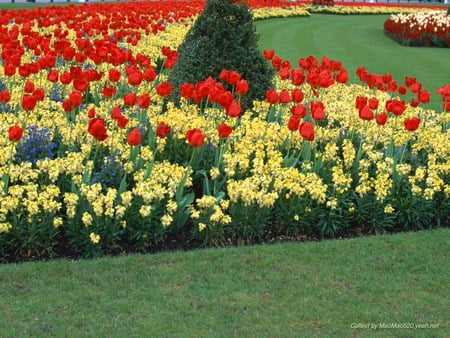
pixel 311 160
pixel 431 29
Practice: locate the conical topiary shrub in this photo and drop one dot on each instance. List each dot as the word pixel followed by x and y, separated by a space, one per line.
pixel 222 37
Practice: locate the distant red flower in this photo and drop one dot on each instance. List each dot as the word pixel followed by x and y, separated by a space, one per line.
pixel 149 74
pixel 97 128
pixel 15 133
pixel 242 87
pixel 28 87
pixel 91 113
pixel 187 90
pixel 402 90
pixel 297 76
pixel 365 113
pixel 272 96
pixel 114 75
pixel 130 99
pixel 39 94
pixel 269 54
pixel 122 121
pixel 416 87
pixel 134 137
pixel 224 130
pixel 163 129
pixel 75 98
pixel 424 96
pixel 381 118
pixel 28 102
pixel 109 90
pixel 234 109
pixel 65 78
pixel 342 76
pixel 373 103
pixel 306 130
pixel 233 77
pixel 414 102
pixel 164 88
pixel 5 95
pixel 317 110
pixel 299 110
pixel 225 99
pixel 410 80
pixel 81 84
pixel 297 95
pixel 412 123
pixel 293 122
pixel 361 101
pixel 195 137
pixel 144 100
pixel 53 75
pixel 285 96
pixel 116 112
pixel 395 106
pixel 135 78
pixel 9 69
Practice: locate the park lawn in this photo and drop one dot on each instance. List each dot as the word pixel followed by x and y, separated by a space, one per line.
pixel 282 290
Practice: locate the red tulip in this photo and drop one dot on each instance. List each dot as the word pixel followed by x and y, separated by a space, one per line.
pixel 114 75
pixel 97 128
pixel 412 123
pixel 15 133
pixel 195 137
pixel 144 100
pixel 285 96
pixel 134 137
pixel 365 113
pixel 164 88
pixel 224 130
pixel 272 96
pixel 293 122
pixel 28 102
pixel 297 95
pixel 122 121
pixel 306 130
pixel 381 118
pixel 395 106
pixel 163 129
pixel 130 99
pixel 234 109
pixel 242 87
pixel 269 54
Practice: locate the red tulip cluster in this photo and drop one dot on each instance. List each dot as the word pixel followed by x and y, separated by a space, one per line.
pixel 386 83
pixel 419 29
pixel 214 91
pixel 444 91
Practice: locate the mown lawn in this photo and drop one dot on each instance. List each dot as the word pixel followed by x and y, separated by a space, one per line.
pixel 283 290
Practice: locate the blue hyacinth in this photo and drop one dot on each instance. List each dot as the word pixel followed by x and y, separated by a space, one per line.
pixel 37 144
pixel 110 173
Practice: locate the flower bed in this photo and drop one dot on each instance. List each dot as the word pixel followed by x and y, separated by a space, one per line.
pixel 95 161
pixel 431 29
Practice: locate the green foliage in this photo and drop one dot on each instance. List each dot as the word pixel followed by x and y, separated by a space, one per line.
pixel 223 37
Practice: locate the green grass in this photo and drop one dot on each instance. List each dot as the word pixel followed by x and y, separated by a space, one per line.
pixel 283 290
pixel 356 40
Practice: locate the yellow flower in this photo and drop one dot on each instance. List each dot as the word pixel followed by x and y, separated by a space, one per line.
pixel 166 220
pixel 201 226
pixel 5 227
pixel 57 222
pixel 95 239
pixel 86 219
pixel 388 209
